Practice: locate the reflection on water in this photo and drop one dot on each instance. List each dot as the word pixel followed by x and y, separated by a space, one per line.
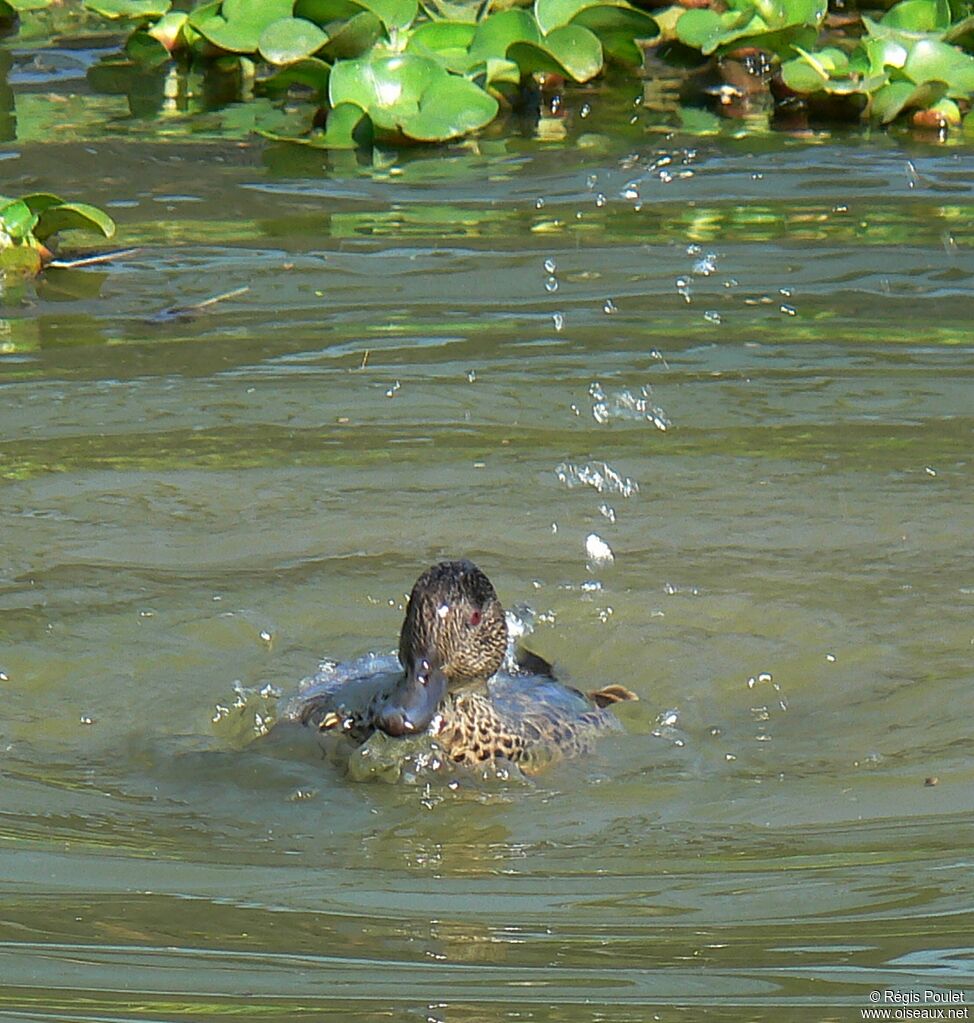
pixel 751 383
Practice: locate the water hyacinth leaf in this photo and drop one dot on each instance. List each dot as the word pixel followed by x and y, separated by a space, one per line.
pixel 444 10
pixel 919 16
pixel 17 220
pixel 392 13
pixel 446 42
pixel 890 101
pixel 700 28
pixel 126 8
pixel 618 28
pixel 311 73
pixel 170 30
pixel 290 39
pixel 883 53
pixel 781 13
pixel 961 33
pixel 498 72
pixel 238 28
pixel 40 201
pixel 74 216
pixel 804 74
pixel 412 95
pixel 572 51
pixel 353 37
pixel 498 32
pixel 452 106
pixel 441 36
pixel 146 50
pixel 324 12
pixel 347 127
pixel 387 89
pixel 552 14
pixel 933 61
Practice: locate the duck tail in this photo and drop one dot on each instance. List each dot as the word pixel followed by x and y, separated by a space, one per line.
pixel 608 695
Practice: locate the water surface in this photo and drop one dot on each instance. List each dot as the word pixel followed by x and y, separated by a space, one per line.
pixel 767 340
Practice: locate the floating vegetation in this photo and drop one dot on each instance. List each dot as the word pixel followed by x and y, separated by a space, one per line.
pixel 27 224
pixel 393 71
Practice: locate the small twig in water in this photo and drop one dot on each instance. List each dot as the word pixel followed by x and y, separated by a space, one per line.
pixel 101 257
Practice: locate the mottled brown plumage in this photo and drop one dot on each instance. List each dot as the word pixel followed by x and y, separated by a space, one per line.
pixel 452 643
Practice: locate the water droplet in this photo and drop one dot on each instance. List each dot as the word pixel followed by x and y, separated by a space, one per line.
pixel 265 635
pixel 550 266
pixel 539 204
pixel 87 719
pixel 585 110
pixel 608 511
pixel 597 550
pixel 551 285
pixel 789 310
pixel 591 181
pixel 392 390
pixel 600 200
pixel 929 470
pixel 712 316
pixel 830 658
pixel 609 307
pixel 471 376
pixel 706 266
pixel 558 320
pixel 598 475
pixel 630 191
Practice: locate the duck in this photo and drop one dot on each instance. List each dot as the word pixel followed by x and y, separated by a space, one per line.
pixel 460 684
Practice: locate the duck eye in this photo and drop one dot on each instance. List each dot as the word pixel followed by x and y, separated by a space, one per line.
pixel 474 618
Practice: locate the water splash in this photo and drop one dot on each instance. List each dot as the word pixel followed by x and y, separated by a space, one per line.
pixel 598 475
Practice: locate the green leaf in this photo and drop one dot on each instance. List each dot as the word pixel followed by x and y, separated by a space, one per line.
pixel 572 51
pixel 498 32
pixel 933 61
pixel 919 16
pixel 452 106
pixel 701 28
pixel 76 216
pixel 146 50
pixel 392 13
pixel 290 39
pixel 892 99
pixel 446 42
pixel 803 75
pixel 412 95
pixel 40 201
pixel 238 28
pixel 17 220
pixel 618 28
pixel 354 37
pixel 22 6
pixel 127 8
pixel 310 72
pixel 882 53
pixel 347 127
pixel 551 14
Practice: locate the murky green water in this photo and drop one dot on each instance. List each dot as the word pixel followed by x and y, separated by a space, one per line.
pixel 429 352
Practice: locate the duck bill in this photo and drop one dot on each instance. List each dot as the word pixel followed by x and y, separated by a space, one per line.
pixel 413 703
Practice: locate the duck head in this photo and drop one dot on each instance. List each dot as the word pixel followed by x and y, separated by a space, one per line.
pixel 454 635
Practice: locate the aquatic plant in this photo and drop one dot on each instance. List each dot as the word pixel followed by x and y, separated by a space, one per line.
pixel 396 70
pixel 28 223
pixel 910 60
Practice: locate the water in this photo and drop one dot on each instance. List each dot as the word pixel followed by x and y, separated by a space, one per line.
pixel 198 508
